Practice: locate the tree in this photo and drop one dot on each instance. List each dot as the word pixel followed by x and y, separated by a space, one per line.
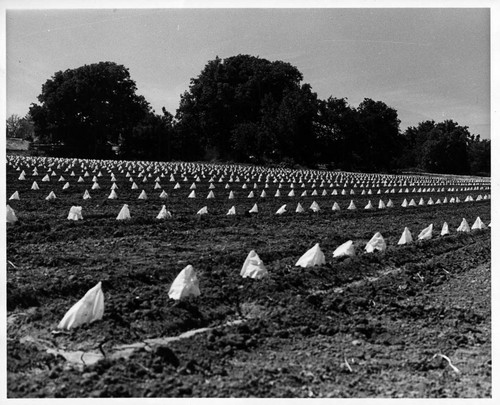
pixel 379 142
pixel 18 127
pixel 443 147
pixel 238 98
pixel 88 108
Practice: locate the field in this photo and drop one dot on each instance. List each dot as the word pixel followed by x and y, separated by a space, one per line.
pixel 411 321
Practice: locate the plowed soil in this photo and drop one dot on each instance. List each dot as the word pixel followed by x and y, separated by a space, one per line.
pixel 413 321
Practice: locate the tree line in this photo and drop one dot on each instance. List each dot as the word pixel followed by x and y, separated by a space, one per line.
pixel 242 109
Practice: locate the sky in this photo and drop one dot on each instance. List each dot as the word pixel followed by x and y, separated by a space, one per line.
pixel 428 64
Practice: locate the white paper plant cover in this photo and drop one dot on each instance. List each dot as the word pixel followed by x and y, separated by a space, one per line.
pixel 51 196
pixel 75 213
pixel 346 249
pixel 404 204
pixel 34 186
pixel 14 196
pixel 203 211
pixel 177 186
pixel 89 309
pixel 157 186
pixel 164 214
pixel 464 226
pixel 185 284
pixel 445 230
pixel 231 195
pixel 253 267
pixel 412 203
pixel 478 224
pixel 351 206
pixel 281 210
pixel 312 257
pixel 86 195
pixel 377 242
pixel 405 237
pixel 381 205
pixel 232 211
pixel 426 233
pixel 210 195
pixel 314 206
pixel 192 194
pixel 254 209
pixel 143 195
pixel 134 186
pixel 46 178
pixel 263 194
pixel 335 207
pixel 11 215
pixel 291 193
pixel 114 186
pixel 163 194
pixel 21 177
pixel 421 201
pixel 369 206
pixel 124 213
pixel 112 195
pixel 299 208
pixel 251 194
pixel 304 194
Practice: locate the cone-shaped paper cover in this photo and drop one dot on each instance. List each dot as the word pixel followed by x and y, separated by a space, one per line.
pixel 203 211
pixel 75 213
pixel 95 186
pixel 426 233
pixel 291 193
pixel 134 186
pixel 377 242
pixel 369 206
pixel 11 215
pixel 312 257
pixel 192 187
pixel 278 194
pixel 34 186
pixel 124 213
pixel 177 186
pixel 21 177
pixel 163 194
pixel 254 209
pixel 80 180
pixel 351 206
pixel 412 203
pixel 89 309
pixel 231 195
pixel 46 178
pixel 251 194
pixel 464 226
pixel 143 195
pixel 405 237
pixel 281 210
pixel 314 206
pixel 263 194
pixel 51 196
pixel 185 284
pixel 112 195
pixel 478 224
pixel 86 195
pixel 445 230
pixel 210 195
pixel 66 186
pixel 335 207
pixel 164 214
pixel 14 196
pixel 253 267
pixel 405 203
pixel 381 205
pixel 114 186
pixel 299 208
pixel 346 249
pixel 232 211
pixel 421 202
pixel 192 194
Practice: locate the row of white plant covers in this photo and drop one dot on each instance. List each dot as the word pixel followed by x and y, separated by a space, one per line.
pixel 91 307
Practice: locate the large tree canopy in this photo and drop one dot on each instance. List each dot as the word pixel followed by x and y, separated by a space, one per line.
pixel 245 106
pixel 88 108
